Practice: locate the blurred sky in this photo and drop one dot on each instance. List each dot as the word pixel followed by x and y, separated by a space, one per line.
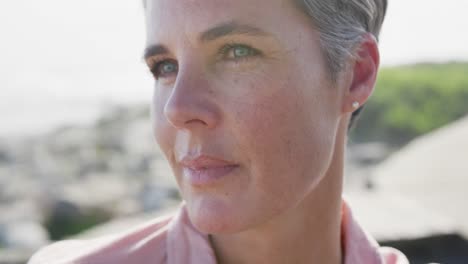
pixel 62 60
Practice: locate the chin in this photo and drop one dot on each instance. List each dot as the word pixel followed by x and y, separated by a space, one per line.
pixel 215 216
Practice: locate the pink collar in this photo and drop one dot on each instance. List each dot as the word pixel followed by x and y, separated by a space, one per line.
pixel 187 245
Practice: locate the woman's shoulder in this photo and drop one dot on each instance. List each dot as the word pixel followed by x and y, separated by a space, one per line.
pixel 144 242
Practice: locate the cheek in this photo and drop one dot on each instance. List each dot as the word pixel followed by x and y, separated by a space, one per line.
pixel 286 136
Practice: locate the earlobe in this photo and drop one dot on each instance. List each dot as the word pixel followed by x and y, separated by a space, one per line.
pixel 364 73
pixel 356 105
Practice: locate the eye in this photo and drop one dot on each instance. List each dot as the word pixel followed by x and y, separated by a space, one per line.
pixel 164 69
pixel 238 51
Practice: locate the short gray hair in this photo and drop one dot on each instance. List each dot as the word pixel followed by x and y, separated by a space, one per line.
pixel 342 25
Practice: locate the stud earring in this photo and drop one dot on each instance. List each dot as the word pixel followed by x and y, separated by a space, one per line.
pixel 355 105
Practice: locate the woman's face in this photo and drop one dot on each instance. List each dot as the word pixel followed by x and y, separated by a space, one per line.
pixel 243 107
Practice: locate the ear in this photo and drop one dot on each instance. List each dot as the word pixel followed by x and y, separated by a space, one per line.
pixel 364 73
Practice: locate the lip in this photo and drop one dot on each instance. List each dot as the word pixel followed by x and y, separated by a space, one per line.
pixel 204 170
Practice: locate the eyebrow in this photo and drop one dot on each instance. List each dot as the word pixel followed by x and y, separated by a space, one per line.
pixel 219 31
pixel 155 50
pixel 230 28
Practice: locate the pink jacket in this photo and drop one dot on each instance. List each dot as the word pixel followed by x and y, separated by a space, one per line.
pixel 173 240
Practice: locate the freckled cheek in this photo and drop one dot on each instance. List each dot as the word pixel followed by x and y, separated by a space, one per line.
pixel 277 131
pixel 272 150
pixel 265 120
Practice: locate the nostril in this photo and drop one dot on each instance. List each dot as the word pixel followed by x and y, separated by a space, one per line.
pixel 188 115
pixel 194 121
pixel 185 120
pixel 185 112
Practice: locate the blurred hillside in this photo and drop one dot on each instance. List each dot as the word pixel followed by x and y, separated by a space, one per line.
pixel 412 100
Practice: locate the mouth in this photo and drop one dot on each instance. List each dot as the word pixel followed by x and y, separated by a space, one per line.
pixel 203 170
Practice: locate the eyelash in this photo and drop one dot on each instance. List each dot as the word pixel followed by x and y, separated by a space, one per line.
pixel 223 52
pixel 154 66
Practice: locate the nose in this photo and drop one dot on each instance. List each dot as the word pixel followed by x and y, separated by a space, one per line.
pixel 192 102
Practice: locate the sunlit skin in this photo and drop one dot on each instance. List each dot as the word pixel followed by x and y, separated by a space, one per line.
pixel 247 82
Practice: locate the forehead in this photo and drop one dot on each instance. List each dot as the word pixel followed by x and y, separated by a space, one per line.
pixel 188 17
pixel 211 7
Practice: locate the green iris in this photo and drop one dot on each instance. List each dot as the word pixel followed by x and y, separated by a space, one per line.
pixel 241 51
pixel 168 67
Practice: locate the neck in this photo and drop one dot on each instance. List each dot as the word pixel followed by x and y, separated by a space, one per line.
pixel 307 233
